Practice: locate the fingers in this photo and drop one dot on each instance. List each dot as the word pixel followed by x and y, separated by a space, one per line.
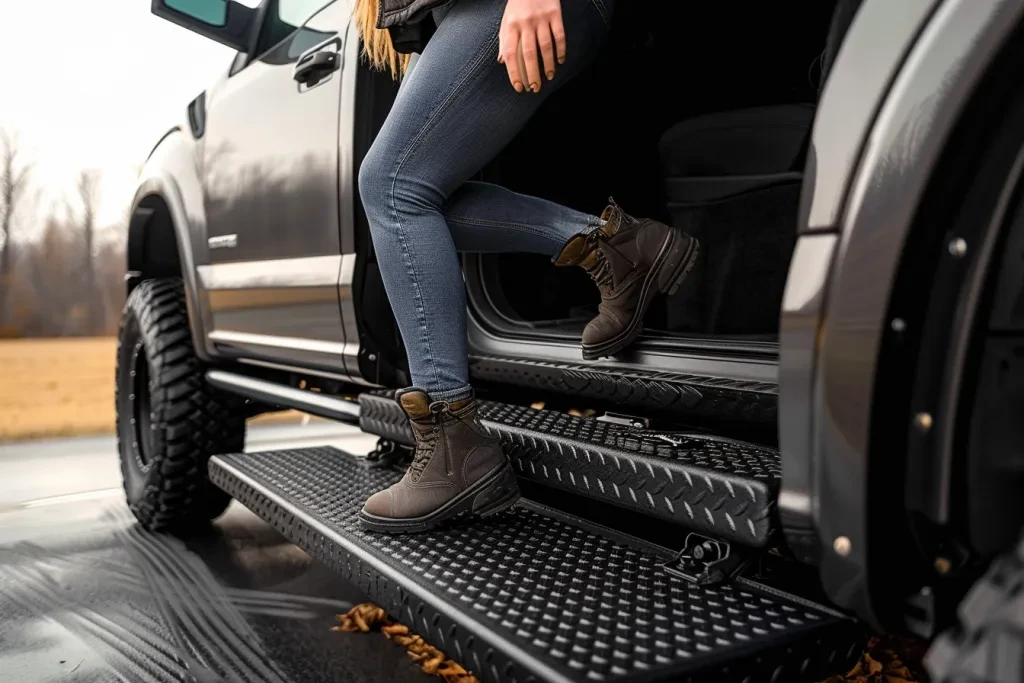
pixel 558 31
pixel 509 49
pixel 528 50
pixel 547 49
pixel 532 38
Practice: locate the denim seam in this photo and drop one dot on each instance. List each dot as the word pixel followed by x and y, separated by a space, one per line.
pixel 533 230
pixel 453 394
pixel 441 108
pixel 592 225
pixel 421 314
pixel 427 127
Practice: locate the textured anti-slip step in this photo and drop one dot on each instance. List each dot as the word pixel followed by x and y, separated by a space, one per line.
pixel 635 388
pixel 719 487
pixel 531 596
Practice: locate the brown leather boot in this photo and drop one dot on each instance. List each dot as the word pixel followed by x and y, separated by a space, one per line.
pixel 457 471
pixel 632 261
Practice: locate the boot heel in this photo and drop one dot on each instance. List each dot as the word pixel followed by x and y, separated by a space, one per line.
pixel 499 496
pixel 684 268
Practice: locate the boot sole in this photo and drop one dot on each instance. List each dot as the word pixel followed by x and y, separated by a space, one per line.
pixel 493 494
pixel 650 290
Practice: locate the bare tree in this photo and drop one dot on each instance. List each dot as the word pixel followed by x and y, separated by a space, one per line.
pixel 53 272
pixel 88 197
pixel 14 173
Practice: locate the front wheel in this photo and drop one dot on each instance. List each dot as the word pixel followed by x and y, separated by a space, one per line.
pixel 169 421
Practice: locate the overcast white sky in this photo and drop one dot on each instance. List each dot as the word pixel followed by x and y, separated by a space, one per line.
pixel 92 83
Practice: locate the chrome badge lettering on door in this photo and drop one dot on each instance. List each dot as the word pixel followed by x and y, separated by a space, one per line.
pixel 223 242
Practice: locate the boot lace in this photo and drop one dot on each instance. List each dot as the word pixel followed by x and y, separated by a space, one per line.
pixel 601 272
pixel 426 444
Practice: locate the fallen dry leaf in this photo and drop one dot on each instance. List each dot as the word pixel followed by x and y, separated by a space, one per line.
pixel 367 616
pixel 887 659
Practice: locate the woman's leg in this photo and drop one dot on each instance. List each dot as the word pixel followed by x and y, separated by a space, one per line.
pixel 452 116
pixel 488 219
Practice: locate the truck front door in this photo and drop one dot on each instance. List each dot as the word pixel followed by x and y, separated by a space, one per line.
pixel 270 175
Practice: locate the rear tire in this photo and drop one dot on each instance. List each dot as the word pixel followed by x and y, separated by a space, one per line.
pixel 169 422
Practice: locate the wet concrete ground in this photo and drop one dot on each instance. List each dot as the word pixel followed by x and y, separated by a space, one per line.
pixel 87 595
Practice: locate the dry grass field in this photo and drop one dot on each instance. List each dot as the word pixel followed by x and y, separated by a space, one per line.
pixel 62 387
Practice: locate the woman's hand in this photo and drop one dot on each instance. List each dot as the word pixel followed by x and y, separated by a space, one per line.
pixel 531 23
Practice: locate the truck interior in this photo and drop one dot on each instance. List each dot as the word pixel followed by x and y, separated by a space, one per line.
pixel 700 119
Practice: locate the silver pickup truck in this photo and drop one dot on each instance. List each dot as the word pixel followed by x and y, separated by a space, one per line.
pixel 822 435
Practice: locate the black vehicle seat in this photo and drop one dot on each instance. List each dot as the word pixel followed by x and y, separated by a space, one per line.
pixel 733 180
pixel 719 155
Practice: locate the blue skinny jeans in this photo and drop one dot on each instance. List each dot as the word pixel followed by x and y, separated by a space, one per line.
pixel 454 113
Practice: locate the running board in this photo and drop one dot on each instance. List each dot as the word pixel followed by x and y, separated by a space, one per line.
pixel 718 487
pixel 747 401
pixel 532 595
pixel 287 397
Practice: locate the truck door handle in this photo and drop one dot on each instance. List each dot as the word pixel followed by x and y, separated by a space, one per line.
pixel 318 63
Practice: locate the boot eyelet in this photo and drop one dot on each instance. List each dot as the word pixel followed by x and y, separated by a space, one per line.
pixel 439 407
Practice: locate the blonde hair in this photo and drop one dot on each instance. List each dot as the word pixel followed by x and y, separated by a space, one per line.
pixel 377 46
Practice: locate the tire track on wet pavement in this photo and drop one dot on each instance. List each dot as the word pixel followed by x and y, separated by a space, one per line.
pixel 283 605
pixel 246 600
pixel 157 613
pixel 43 558
pixel 194 605
pixel 126 650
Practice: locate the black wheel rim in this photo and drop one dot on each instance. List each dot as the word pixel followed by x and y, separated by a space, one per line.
pixel 141 413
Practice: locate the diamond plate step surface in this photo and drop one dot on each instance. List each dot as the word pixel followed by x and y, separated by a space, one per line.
pixel 526 596
pixel 704 395
pixel 719 487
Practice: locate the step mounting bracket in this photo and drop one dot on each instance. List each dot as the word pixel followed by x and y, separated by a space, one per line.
pixel 706 561
pixel 390 454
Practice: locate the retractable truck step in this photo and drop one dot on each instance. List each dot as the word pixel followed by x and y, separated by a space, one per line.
pixel 534 595
pixel 718 487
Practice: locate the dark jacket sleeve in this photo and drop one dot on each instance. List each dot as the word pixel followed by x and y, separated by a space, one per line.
pixel 395 12
pixel 409 38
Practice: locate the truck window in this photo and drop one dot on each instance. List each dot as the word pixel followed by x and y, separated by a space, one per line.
pixel 284 17
pixel 296 12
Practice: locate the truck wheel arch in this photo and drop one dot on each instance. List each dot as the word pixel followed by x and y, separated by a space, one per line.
pixel 152 243
pixel 161 244
pixel 842 326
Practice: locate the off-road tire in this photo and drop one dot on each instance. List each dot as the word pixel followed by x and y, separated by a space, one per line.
pixel 169 421
pixel 987 646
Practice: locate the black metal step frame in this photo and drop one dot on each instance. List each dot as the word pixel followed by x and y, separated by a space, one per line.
pixel 697 395
pixel 527 597
pixel 719 487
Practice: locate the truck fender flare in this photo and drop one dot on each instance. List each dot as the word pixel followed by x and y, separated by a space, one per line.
pixel 190 243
